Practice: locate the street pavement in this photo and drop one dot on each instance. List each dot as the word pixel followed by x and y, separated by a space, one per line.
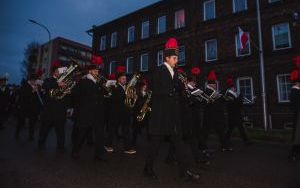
pixel 262 165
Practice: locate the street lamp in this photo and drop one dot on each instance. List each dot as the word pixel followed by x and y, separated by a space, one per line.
pixel 49 35
pixel 41 25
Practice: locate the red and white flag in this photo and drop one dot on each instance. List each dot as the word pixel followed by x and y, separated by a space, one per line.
pixel 244 38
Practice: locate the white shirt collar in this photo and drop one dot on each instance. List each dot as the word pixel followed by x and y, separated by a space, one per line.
pixel 122 86
pixel 233 93
pixel 296 87
pixel 90 77
pixel 171 70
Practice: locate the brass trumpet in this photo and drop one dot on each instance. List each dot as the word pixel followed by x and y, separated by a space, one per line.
pixel 130 91
pixel 145 109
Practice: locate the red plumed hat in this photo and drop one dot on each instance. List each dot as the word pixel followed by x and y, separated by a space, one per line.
pixel 229 81
pixel 112 76
pixel 171 48
pixel 180 70
pixel 297 61
pixel 55 65
pixel 295 75
pixel 96 60
pixel 39 73
pixel 195 71
pixel 211 78
pixel 120 69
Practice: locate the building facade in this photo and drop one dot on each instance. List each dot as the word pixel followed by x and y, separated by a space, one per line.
pixel 63 50
pixel 207 31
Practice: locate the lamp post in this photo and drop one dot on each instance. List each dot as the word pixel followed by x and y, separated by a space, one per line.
pixel 41 25
pixel 49 41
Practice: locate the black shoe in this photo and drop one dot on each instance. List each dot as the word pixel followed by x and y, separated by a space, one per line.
pixel 74 155
pixel 41 147
pixel 189 175
pixel 101 159
pixel 226 149
pixel 149 173
pixel 61 150
pixel 249 143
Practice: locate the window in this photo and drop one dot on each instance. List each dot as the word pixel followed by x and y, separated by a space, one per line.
pixel 103 43
pixel 160 57
pixel 144 62
pixel 130 37
pixel 281 36
pixel 211 50
pixel 238 46
pixel 181 57
pixel 112 67
pixel 284 86
pixel 239 5
pixel 209 10
pixel 145 29
pixel 129 65
pixel 245 88
pixel 273 1
pixel 114 38
pixel 179 19
pixel 161 24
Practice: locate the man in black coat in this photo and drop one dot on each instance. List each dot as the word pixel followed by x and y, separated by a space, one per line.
pixel 4 101
pixel 214 112
pixel 235 117
pixel 29 105
pixel 88 113
pixel 165 118
pixel 119 116
pixel 295 107
pixel 53 113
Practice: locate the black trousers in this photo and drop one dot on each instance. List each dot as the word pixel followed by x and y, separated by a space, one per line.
pixel 231 126
pixel 59 125
pixel 80 134
pixel 137 129
pixel 31 123
pixel 181 152
pixel 116 123
pixel 218 128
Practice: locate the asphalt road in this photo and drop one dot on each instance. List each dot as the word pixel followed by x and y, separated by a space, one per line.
pixel 262 165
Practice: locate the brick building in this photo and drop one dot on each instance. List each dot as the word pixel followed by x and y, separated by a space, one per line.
pixel 62 49
pixel 207 31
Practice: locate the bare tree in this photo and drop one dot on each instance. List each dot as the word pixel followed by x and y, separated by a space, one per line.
pixel 30 59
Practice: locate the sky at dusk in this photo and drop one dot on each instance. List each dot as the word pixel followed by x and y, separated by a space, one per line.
pixel 65 18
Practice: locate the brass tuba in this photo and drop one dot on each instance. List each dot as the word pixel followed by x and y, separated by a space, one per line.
pixel 130 91
pixel 68 78
pixel 145 108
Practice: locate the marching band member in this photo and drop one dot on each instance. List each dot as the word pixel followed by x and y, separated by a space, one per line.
pixel 295 106
pixel 89 113
pixel 4 101
pixel 119 114
pixel 54 111
pixel 214 117
pixel 142 93
pixel 165 119
pixel 29 106
pixel 235 117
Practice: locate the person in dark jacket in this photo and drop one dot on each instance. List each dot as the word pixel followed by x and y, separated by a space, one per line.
pixel 4 101
pixel 89 113
pixel 165 118
pixel 235 117
pixel 143 94
pixel 214 112
pixel 29 106
pixel 295 107
pixel 54 112
pixel 119 115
